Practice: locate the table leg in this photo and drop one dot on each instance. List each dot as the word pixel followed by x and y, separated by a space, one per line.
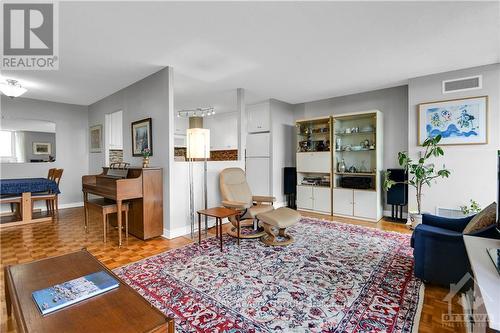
pixel 238 223
pixel 26 211
pixel 85 200
pixel 119 216
pixel 220 226
pixel 199 228
pixel 206 226
pixel 8 301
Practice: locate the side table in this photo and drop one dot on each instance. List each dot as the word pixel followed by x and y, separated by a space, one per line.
pixel 219 213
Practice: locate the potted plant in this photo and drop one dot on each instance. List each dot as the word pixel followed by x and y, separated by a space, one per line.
pixel 146 152
pixel 420 173
pixel 472 209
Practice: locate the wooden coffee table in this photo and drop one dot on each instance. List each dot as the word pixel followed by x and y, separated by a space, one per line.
pixel 119 310
pixel 219 213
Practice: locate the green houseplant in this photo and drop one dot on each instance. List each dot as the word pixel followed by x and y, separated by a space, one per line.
pixel 421 172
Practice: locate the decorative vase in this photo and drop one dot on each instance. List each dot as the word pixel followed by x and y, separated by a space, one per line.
pixel 145 162
pixel 414 220
pixel 341 166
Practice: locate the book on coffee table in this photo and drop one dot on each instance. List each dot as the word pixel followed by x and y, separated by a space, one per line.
pixel 70 292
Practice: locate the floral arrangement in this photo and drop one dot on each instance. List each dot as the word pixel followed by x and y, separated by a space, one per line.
pixel 146 152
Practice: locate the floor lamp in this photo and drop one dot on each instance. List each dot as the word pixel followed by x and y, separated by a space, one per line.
pixel 198 147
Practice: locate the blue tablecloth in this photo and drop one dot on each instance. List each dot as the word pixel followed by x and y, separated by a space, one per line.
pixel 19 186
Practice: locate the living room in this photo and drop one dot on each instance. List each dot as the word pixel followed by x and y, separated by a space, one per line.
pixel 293 167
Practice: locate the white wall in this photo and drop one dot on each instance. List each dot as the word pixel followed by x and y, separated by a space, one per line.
pixel 71 141
pixel 151 97
pixel 473 168
pixel 283 145
pixel 181 223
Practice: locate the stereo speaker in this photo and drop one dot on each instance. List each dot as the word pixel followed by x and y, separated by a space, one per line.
pixel 398 194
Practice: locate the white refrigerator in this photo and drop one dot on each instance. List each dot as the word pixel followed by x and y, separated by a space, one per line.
pixel 258 163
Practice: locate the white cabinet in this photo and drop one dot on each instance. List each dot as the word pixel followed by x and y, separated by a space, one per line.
pixel 115 128
pixel 223 131
pixel 181 124
pixel 365 204
pixel 258 118
pixel 322 199
pixel 356 203
pixel 314 162
pixel 305 197
pixel 314 198
pixel 258 145
pixel 257 172
pixel 343 201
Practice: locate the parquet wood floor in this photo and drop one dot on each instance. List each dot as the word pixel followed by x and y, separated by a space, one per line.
pixel 27 243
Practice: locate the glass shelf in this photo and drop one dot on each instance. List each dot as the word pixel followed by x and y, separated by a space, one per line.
pixel 354 151
pixel 356 133
pixel 355 174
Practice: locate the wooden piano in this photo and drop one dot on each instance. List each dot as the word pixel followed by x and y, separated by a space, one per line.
pixel 143 190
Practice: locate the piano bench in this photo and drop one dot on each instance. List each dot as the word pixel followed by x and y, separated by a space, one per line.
pixel 105 207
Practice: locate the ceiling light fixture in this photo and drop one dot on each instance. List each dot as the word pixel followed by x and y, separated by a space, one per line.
pixel 12 88
pixel 198 112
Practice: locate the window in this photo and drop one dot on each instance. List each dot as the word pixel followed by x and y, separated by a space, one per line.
pixel 6 144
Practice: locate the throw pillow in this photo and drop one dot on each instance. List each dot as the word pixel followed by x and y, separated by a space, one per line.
pixel 483 219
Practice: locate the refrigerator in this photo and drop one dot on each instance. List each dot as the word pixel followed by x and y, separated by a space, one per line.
pixel 258 163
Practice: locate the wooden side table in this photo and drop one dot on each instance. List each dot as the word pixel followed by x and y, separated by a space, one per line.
pixel 219 213
pixel 118 310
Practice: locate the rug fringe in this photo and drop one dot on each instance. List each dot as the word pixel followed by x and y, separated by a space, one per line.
pixel 420 306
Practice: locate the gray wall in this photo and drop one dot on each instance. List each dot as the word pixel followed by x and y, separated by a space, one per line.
pixel 30 137
pixel 151 97
pixel 71 140
pixel 473 167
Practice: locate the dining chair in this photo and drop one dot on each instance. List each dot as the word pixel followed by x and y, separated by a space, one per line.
pixel 51 199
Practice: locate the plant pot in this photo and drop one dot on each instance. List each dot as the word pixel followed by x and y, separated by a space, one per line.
pixel 145 162
pixel 414 220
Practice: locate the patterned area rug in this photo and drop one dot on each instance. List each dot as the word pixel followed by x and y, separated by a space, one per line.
pixel 335 278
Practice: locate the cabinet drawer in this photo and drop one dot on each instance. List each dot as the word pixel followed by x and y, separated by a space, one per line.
pixel 314 162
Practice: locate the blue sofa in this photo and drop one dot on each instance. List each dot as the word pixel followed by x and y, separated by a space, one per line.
pixel 439 249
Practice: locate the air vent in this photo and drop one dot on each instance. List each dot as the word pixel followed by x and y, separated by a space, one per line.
pixel 462 84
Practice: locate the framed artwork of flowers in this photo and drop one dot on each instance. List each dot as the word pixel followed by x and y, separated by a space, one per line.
pixel 458 121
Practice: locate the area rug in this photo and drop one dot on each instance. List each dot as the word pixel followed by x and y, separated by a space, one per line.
pixel 335 278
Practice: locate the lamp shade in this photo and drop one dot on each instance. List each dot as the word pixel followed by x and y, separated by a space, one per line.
pixel 198 143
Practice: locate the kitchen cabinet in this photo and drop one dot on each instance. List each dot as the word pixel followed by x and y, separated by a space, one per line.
pixel 115 135
pixel 258 117
pixel 343 201
pixel 181 125
pixel 223 131
pixel 314 162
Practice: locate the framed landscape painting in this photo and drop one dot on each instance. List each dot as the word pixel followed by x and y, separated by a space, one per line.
pixel 96 139
pixel 142 136
pixel 42 148
pixel 459 121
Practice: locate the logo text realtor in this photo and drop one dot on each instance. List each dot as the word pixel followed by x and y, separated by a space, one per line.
pixel 30 36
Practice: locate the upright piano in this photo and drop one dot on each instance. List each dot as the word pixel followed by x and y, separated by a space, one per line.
pixel 142 188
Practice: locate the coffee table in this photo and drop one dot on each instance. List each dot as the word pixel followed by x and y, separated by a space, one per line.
pixel 219 213
pixel 119 310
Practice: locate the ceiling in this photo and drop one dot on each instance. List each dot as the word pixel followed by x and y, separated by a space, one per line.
pixel 292 51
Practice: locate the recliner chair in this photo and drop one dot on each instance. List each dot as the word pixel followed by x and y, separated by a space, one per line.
pixel 236 194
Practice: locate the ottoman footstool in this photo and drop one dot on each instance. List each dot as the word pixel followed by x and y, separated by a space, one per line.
pixel 275 223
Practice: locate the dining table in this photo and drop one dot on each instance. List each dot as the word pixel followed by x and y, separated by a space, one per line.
pixel 26 188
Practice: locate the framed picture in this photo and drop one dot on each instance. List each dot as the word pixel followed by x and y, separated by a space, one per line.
pixel 96 139
pixel 459 121
pixel 142 136
pixel 42 148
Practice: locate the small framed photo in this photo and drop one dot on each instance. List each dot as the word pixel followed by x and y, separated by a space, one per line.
pixel 42 148
pixel 142 136
pixel 461 121
pixel 96 139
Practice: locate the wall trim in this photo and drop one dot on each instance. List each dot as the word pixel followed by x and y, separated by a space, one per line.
pixel 186 230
